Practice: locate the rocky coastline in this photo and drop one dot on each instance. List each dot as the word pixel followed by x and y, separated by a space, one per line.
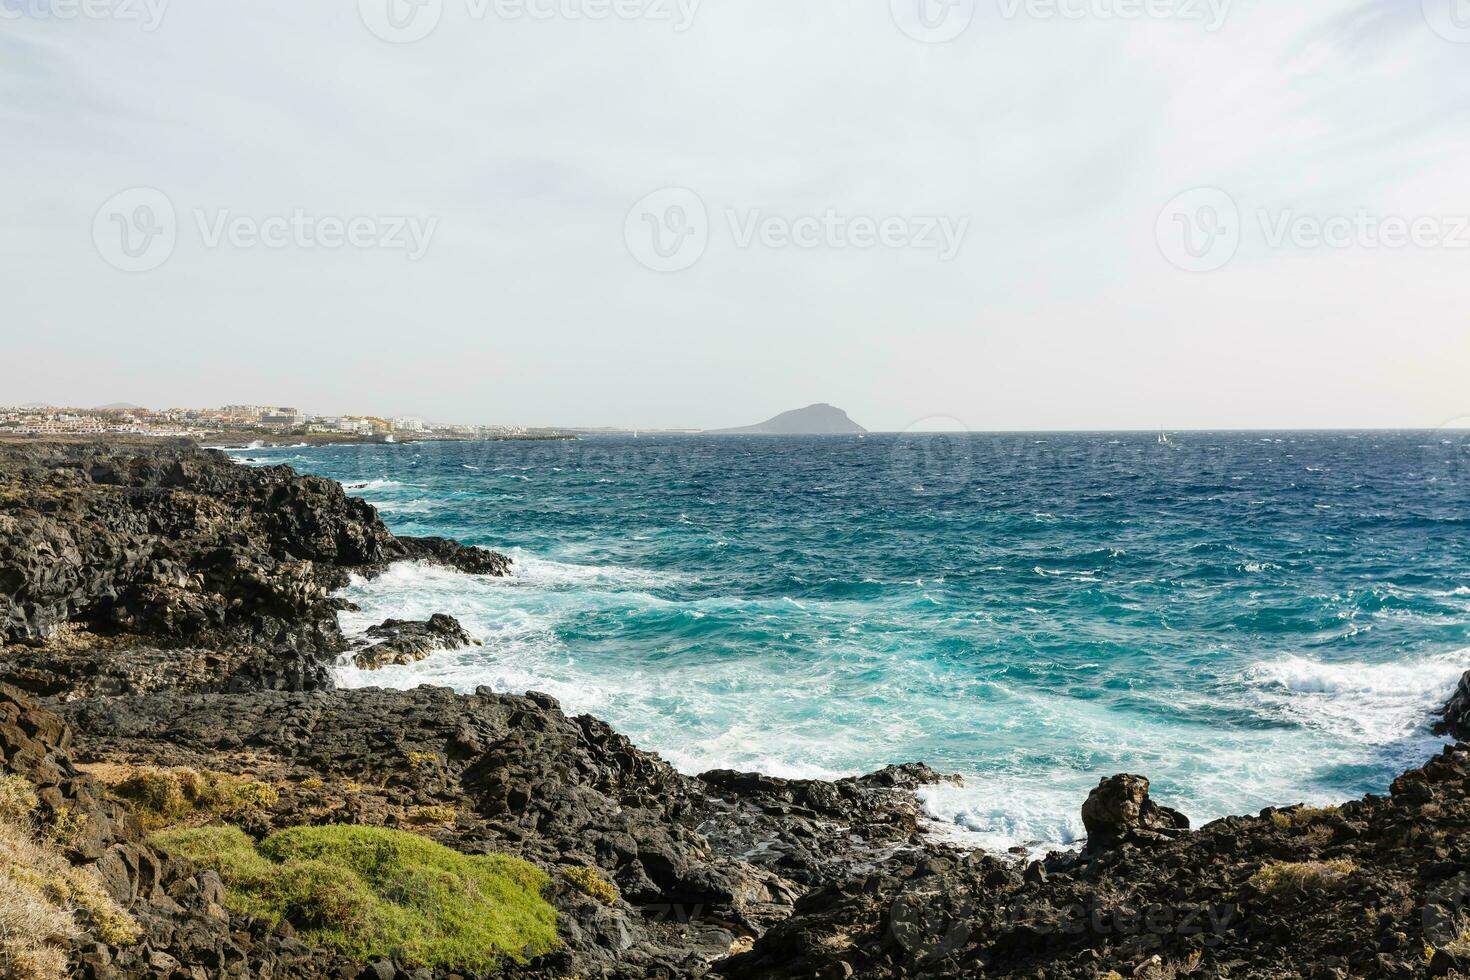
pixel 168 617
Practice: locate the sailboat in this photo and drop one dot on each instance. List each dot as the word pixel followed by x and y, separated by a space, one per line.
pixel 1164 439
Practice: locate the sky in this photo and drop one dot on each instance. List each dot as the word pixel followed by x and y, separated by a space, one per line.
pixel 936 214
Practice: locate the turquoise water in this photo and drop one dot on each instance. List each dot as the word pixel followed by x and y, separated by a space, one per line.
pixel 1247 619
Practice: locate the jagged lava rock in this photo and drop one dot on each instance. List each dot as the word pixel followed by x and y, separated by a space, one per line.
pixel 403 642
pixel 1120 811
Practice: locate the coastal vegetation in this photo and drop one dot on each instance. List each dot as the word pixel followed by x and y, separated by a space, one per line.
pixel 46 903
pixel 1301 816
pixel 592 884
pixel 164 797
pixel 1301 876
pixel 372 893
pixel 434 813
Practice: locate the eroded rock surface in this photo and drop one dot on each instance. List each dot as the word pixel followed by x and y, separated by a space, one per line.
pixel 1120 811
pixel 1454 718
pixel 521 777
pixel 401 642
pixel 109 555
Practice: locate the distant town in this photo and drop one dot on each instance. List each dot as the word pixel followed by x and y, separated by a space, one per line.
pixel 245 422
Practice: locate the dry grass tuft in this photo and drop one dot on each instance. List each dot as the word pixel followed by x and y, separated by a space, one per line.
pixel 17 798
pixel 45 901
pixel 1301 816
pixel 592 884
pixel 167 797
pixel 428 816
pixel 1286 876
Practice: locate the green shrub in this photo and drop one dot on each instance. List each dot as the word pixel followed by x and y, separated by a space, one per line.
pixel 1286 876
pixel 371 893
pixel 165 797
pixel 590 883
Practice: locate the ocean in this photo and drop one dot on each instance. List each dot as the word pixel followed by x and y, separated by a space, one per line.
pixel 1248 619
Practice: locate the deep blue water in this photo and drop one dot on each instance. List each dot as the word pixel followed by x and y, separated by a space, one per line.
pixel 1247 619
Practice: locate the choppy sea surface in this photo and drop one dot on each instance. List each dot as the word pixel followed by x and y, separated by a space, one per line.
pixel 1248 619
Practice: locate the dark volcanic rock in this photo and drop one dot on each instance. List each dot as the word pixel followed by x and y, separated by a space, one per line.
pixel 186 930
pixel 406 642
pixel 452 554
pixel 179 547
pixel 525 779
pixel 817 832
pixel 1192 907
pixel 109 667
pixel 1120 811
pixel 1455 716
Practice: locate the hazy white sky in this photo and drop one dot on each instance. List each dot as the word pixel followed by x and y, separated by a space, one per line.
pixel 991 229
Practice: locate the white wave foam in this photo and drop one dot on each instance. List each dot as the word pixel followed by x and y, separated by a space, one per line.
pixel 373 486
pixel 405 506
pixel 548 573
pixel 998 813
pixel 1371 703
pixel 1419 678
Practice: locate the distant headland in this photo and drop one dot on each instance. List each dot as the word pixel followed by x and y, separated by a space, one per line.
pixel 814 420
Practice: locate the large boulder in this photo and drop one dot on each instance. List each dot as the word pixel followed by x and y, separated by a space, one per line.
pixel 1120 811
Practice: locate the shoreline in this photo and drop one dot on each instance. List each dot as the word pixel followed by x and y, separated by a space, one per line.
pixel 183 645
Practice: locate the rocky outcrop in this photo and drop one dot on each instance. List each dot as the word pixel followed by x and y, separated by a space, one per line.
pixel 1120 811
pixel 1454 718
pixel 513 774
pixel 110 667
pixel 179 548
pixel 186 931
pixel 406 642
pixel 452 554
pixel 1355 891
pixel 815 832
